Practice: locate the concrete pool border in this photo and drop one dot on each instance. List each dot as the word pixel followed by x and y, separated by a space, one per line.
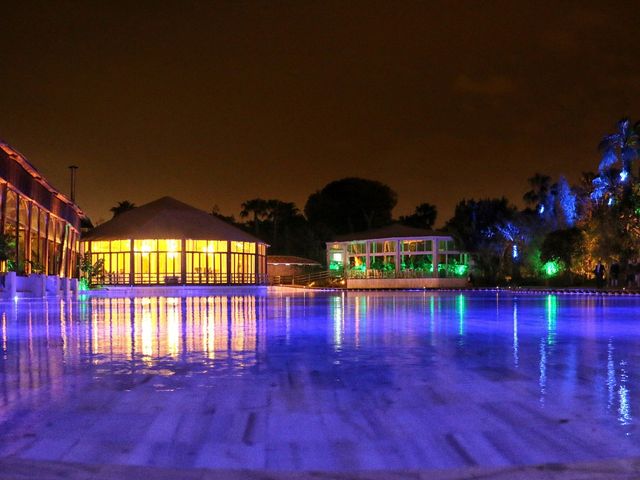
pixel 515 291
pixel 13 468
pixel 173 291
pixel 187 290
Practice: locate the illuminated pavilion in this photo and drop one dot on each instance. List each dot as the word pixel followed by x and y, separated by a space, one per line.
pixel 398 256
pixel 167 242
pixel 42 223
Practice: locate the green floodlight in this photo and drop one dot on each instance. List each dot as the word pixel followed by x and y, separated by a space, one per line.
pixel 83 284
pixel 460 270
pixel 551 268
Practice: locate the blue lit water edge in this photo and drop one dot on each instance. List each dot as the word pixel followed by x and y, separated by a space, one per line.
pixel 287 380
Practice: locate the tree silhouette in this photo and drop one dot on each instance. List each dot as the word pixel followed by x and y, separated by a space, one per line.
pixel 351 205
pixel 121 207
pixel 474 221
pixel 281 215
pixel 482 227
pixel 215 211
pixel 538 196
pixel 257 207
pixel 424 216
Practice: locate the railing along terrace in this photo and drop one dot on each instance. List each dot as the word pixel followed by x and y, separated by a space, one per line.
pixel 302 279
pixel 177 279
pixel 373 274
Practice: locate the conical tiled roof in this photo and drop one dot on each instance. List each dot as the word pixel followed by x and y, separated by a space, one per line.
pixel 168 218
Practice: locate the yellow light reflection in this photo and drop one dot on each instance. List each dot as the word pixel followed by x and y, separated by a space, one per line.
pixel 63 327
pixel 146 328
pixel 4 334
pixel 173 326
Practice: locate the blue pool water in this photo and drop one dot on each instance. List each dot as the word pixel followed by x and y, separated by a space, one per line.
pixel 290 380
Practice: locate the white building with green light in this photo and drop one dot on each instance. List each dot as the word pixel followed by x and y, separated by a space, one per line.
pixel 397 256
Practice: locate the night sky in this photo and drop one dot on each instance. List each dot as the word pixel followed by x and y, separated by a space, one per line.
pixel 219 102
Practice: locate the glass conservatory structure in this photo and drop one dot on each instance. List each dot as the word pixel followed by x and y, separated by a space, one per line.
pixel 41 224
pixel 167 242
pixel 398 252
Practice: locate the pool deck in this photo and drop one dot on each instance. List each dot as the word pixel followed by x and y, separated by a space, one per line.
pixel 18 469
pixel 334 386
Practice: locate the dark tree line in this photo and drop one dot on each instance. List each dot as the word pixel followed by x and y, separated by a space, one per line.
pixel 343 206
pixel 562 228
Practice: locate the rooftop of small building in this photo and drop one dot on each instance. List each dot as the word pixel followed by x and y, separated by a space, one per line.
pixel 290 260
pixel 395 230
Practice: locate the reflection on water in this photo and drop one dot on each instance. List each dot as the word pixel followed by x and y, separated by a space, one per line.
pixel 624 410
pixel 543 370
pixel 565 352
pixel 148 329
pixel 337 314
pixel 552 313
pixel 611 375
pixel 461 306
pixel 515 334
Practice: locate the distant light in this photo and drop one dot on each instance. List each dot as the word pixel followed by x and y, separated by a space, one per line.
pixel 551 268
pixel 611 201
pixel 541 209
pixel 83 284
pixel 514 251
pixel 15 299
pixel 460 270
pixel 623 175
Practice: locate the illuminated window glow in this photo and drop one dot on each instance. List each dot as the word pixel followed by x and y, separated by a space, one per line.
pixel 164 262
pixel 399 258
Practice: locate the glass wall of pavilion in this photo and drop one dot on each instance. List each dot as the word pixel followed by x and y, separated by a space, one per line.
pixel 436 256
pixel 178 262
pixel 45 240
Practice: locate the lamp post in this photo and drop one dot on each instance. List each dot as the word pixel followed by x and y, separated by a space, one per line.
pixel 73 169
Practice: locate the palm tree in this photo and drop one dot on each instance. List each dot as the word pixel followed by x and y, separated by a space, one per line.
pixel 121 207
pixel 622 146
pixel 259 208
pixel 538 196
pixel 280 213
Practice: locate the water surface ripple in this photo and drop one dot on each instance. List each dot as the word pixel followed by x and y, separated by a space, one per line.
pixel 321 380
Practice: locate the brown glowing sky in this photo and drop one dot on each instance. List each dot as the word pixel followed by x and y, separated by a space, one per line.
pixel 218 102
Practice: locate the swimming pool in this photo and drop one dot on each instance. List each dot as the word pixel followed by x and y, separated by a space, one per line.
pixel 289 380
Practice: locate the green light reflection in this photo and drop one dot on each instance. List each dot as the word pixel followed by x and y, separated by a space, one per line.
pixel 552 313
pixel 461 307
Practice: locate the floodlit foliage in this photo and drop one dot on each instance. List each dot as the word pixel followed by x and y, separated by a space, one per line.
pixel 90 270
pixel 565 230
